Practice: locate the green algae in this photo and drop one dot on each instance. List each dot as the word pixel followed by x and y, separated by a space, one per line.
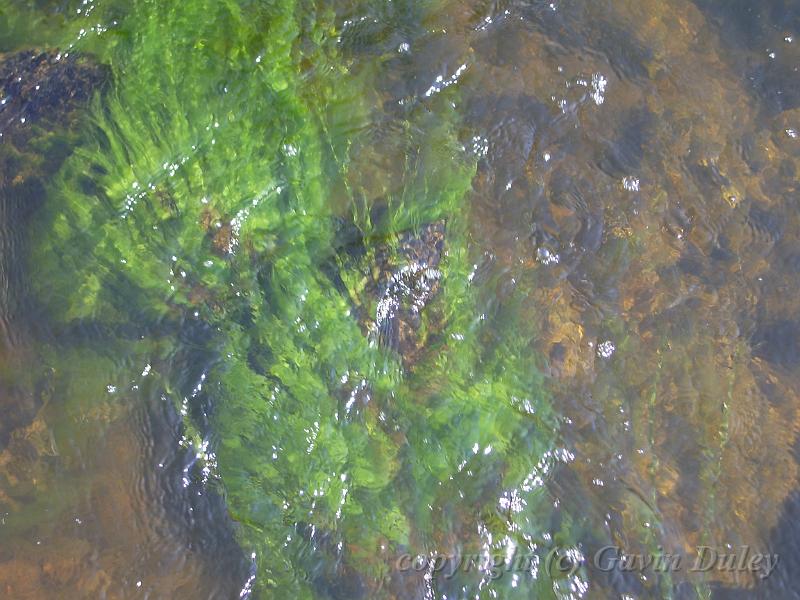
pixel 221 166
pixel 214 195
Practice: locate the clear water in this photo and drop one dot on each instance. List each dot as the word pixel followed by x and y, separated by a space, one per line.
pixel 293 292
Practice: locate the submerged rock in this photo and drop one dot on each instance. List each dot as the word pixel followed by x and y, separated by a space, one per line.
pixel 36 86
pixel 401 277
pixel 408 279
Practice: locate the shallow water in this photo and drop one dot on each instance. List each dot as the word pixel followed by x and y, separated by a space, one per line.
pixel 294 291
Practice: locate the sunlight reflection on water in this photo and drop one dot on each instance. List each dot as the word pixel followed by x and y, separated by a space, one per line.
pixel 639 159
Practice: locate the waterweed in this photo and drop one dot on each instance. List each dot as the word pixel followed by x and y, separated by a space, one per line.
pixel 210 196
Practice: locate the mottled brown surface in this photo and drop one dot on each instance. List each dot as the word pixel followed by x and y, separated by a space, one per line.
pixel 691 421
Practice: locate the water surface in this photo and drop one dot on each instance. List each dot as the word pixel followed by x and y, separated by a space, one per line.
pixel 293 290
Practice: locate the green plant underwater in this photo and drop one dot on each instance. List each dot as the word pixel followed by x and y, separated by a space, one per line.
pixel 216 179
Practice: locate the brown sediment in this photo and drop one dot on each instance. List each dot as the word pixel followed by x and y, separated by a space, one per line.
pixel 690 280
pixel 104 538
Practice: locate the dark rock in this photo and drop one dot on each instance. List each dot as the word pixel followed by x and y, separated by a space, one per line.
pixel 760 27
pixel 512 125
pixel 623 155
pixel 408 280
pixel 36 86
pixel 753 149
pixel 778 342
pixel 765 223
pixel 577 26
